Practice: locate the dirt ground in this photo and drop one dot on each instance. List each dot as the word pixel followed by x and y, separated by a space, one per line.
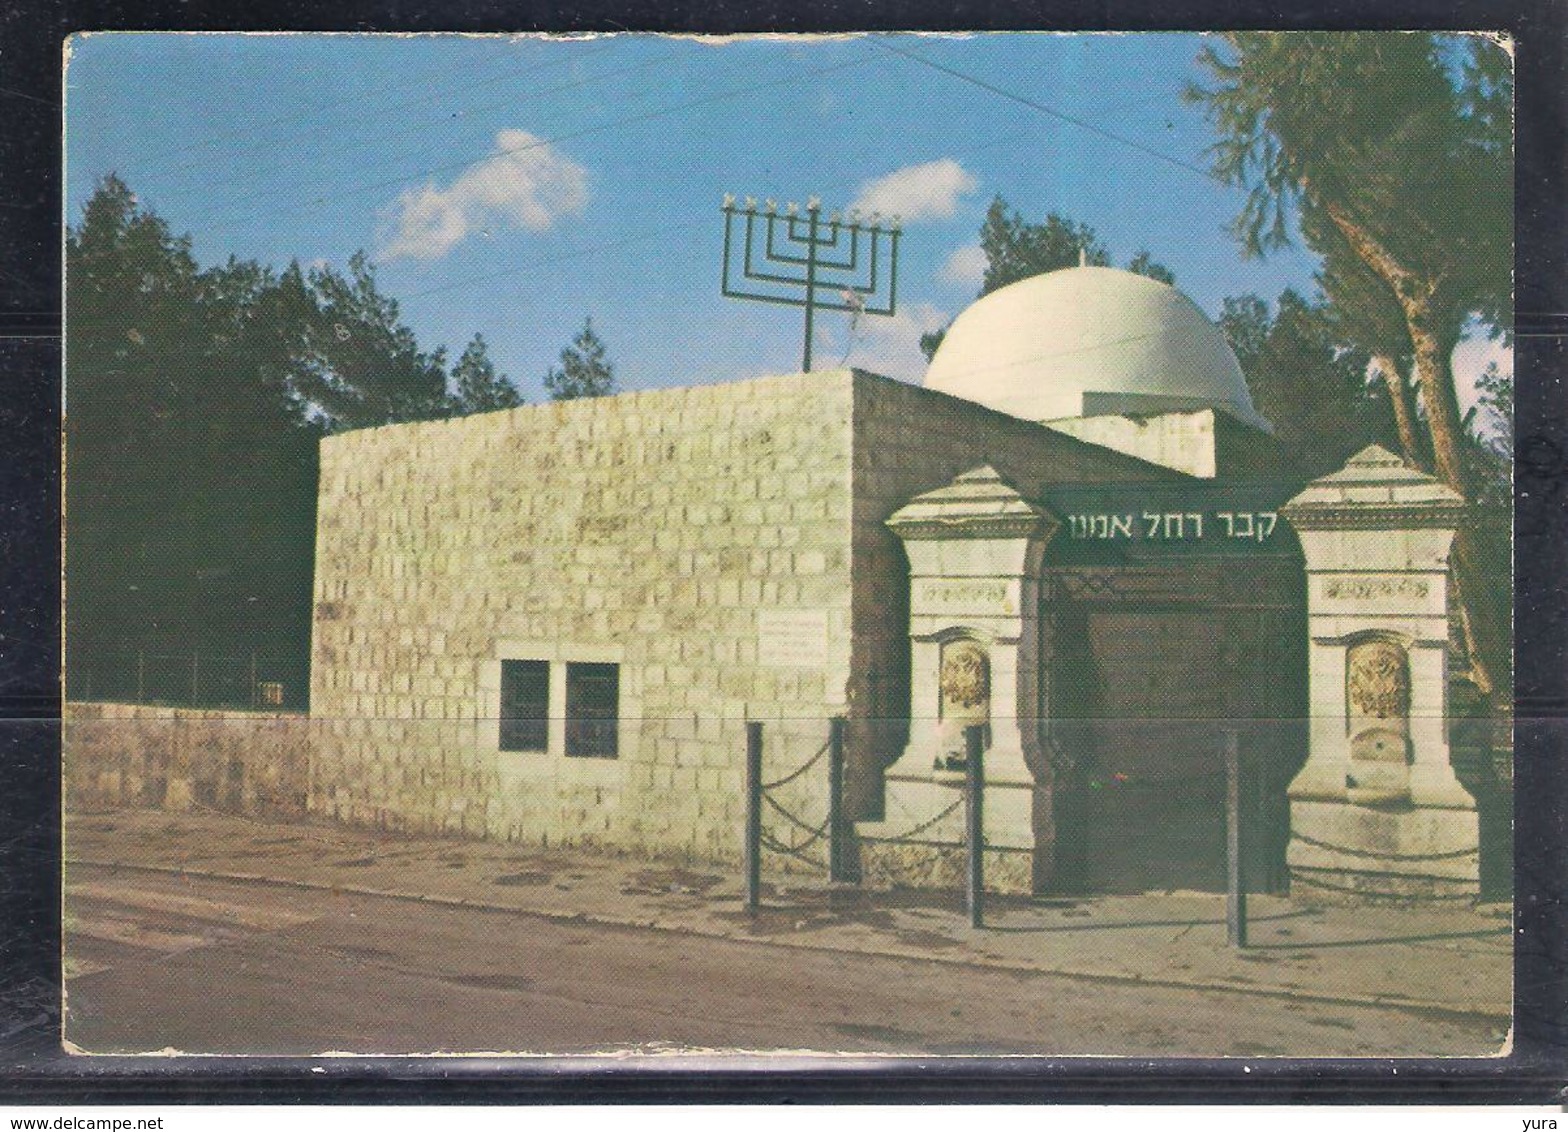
pixel 160 961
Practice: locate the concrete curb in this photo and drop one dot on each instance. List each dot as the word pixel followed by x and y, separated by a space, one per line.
pixel 1383 1002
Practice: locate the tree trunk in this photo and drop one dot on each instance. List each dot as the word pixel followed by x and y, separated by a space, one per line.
pixel 1484 612
pixel 1434 346
pixel 1404 408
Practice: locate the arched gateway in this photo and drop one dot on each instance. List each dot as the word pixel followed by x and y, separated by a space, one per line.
pixel 1156 644
pixel 1129 627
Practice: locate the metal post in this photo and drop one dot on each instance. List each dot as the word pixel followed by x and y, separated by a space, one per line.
pixel 836 823
pixel 141 675
pixel 195 678
pixel 753 849
pixel 811 284
pixel 974 823
pixel 255 690
pixel 1235 886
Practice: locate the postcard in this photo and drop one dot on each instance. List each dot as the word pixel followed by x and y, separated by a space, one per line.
pixel 778 547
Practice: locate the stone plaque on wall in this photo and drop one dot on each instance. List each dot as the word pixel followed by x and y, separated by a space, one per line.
pixel 986 597
pixel 792 638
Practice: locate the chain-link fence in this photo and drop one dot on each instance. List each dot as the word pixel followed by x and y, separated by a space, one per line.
pixel 252 680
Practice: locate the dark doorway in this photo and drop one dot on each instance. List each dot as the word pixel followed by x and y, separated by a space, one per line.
pixel 1148 665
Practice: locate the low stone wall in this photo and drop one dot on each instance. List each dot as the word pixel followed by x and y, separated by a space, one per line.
pixel 183 758
pixel 943 866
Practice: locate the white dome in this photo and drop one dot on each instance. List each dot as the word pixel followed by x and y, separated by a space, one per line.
pixel 1033 349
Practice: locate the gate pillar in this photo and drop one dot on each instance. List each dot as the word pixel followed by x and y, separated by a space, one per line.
pixel 974 550
pixel 1377 809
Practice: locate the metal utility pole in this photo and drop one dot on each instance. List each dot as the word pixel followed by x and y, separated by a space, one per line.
pixel 810 253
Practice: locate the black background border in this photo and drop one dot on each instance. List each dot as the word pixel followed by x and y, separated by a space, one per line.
pixel 32 1066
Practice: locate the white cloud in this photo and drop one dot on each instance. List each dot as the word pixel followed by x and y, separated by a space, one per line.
pixel 966 265
pixel 917 192
pixel 888 345
pixel 525 183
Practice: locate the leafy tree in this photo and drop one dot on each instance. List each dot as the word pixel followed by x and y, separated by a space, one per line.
pixel 1016 250
pixel 360 364
pixel 191 482
pixel 1371 132
pixel 931 340
pixel 1408 159
pixel 1310 387
pixel 195 399
pixel 1143 264
pixel 1492 421
pixel 585 369
pixel 477 387
pixel 1364 313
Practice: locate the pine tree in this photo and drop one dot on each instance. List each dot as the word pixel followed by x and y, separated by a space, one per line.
pixel 1375 140
pixel 1144 264
pixel 363 366
pixel 585 369
pixel 191 476
pixel 476 386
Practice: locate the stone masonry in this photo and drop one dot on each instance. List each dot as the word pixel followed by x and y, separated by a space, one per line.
pixel 1378 809
pixel 254 763
pixel 723 545
pixel 648 530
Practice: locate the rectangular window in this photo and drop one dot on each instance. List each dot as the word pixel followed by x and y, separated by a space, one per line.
pixel 593 703
pixel 525 705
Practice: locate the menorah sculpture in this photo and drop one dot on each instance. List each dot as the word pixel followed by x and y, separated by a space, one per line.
pixel 812 254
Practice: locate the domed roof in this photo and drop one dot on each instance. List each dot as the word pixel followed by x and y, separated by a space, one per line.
pixel 1033 349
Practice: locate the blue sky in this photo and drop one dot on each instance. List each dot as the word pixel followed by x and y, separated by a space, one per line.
pixel 515 186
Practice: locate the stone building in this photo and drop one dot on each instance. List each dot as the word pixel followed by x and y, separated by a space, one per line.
pixel 550 624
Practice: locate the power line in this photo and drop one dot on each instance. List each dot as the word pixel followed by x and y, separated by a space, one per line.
pixel 339 104
pixel 1051 111
pixel 532 72
pixel 558 257
pixel 571 135
pixel 614 123
pixel 510 271
pixel 419 126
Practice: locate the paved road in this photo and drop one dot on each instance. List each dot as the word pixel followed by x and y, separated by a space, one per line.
pixel 162 962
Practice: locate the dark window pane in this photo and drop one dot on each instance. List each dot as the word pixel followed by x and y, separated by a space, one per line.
pixel 525 705
pixel 593 694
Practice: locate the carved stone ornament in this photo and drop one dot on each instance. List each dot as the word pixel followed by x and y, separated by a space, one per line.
pixel 966 680
pixel 1379 680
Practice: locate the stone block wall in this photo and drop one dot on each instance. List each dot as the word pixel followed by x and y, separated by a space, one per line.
pixel 252 763
pixel 652 530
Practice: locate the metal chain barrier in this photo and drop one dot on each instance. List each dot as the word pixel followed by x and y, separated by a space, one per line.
pixel 776 846
pixel 813 834
pixel 1328 886
pixel 1316 844
pixel 760 796
pixel 909 836
pixel 798 771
